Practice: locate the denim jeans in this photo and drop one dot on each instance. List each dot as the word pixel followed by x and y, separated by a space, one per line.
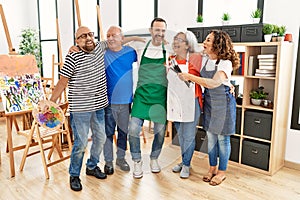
pixel 218 145
pixel 116 114
pixel 135 126
pixel 81 122
pixel 186 135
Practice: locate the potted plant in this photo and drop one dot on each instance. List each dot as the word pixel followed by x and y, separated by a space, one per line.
pixel 199 19
pixel 256 15
pixel 258 95
pixel 267 30
pixel 281 32
pixel 275 32
pixel 29 44
pixel 225 18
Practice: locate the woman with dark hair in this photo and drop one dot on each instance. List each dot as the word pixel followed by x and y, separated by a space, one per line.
pixel 219 103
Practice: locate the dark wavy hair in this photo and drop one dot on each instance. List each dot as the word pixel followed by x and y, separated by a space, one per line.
pixel 222 46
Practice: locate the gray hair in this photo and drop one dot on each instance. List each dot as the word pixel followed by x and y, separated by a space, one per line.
pixel 118 27
pixel 191 41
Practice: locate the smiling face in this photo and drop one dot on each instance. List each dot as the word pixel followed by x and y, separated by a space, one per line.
pixel 180 45
pixel 114 38
pixel 85 39
pixel 158 31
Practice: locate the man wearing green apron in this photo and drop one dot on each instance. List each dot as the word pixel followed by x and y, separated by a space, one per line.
pixel 150 97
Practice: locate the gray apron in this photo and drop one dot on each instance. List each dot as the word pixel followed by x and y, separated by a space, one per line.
pixel 219 107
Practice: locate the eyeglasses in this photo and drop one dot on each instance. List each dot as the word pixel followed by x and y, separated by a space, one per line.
pixel 112 35
pixel 84 36
pixel 179 39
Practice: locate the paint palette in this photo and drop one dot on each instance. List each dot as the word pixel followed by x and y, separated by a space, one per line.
pixel 48 114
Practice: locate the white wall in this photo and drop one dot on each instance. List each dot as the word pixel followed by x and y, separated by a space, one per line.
pixel 289 16
pixel 179 15
pixel 19 15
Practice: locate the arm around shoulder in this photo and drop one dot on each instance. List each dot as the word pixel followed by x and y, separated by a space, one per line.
pixel 133 38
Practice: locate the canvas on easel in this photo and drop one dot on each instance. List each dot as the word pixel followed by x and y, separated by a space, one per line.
pixel 20 83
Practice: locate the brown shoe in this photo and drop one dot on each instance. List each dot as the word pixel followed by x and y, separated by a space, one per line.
pixel 208 177
pixel 217 180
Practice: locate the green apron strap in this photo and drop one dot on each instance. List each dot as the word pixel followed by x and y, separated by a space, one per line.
pixel 146 47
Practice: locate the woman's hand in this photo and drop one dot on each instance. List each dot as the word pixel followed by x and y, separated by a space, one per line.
pixel 73 49
pixel 232 89
pixel 184 76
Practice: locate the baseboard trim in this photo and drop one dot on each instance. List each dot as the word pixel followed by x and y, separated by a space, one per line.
pixel 292 165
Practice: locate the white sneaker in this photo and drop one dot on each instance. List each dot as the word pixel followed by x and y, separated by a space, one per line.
pixel 137 169
pixel 155 168
pixel 185 172
pixel 177 168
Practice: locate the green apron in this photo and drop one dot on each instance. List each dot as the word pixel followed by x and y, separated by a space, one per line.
pixel 150 96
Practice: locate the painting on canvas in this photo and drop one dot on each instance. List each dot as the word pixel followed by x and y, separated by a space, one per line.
pixel 20 83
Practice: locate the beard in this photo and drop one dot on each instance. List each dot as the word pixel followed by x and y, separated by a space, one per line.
pixel 89 48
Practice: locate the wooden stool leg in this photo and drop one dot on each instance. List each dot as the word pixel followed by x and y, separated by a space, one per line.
pixel 28 142
pixel 149 128
pixel 68 135
pixel 42 153
pixel 143 134
pixel 115 139
pixel 69 141
pixel 168 128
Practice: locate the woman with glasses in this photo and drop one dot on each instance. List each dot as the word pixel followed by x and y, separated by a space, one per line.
pixel 219 102
pixel 184 98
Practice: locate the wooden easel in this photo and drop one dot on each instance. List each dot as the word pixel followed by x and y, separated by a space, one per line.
pixel 100 23
pixel 11 50
pixel 50 81
pixel 98 15
pixel 78 13
pixel 11 118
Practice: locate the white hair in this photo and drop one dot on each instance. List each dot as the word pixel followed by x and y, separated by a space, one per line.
pixel 118 27
pixel 191 41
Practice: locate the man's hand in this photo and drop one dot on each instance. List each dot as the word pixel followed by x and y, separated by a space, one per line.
pixel 74 49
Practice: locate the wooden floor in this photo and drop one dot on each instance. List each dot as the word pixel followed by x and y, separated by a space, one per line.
pixel 240 183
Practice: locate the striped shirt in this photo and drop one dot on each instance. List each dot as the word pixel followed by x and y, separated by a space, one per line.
pixel 87 81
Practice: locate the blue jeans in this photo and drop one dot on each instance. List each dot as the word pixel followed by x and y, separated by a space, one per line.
pixel 186 135
pixel 81 122
pixel 116 114
pixel 135 126
pixel 218 145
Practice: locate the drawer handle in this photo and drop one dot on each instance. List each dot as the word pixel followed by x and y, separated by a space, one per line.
pixel 254 151
pixel 257 121
pixel 251 32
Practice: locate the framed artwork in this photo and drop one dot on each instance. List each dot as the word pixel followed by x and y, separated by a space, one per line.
pixel 20 83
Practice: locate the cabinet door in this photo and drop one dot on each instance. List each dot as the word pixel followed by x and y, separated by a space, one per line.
pixel 201 141
pixel 234 32
pixel 198 32
pixel 235 148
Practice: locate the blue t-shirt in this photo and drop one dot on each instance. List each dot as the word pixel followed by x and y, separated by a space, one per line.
pixel 118 69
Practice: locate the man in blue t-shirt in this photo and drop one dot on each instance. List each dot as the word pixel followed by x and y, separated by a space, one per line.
pixel 118 61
